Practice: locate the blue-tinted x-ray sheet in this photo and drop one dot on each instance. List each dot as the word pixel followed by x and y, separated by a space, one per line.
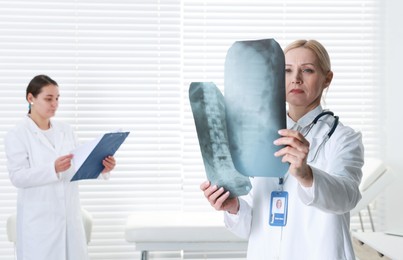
pixel 107 146
pixel 208 109
pixel 254 91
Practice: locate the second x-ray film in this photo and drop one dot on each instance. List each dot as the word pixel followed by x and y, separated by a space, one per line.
pixel 208 109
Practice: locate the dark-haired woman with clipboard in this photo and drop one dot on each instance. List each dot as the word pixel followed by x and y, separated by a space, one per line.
pixel 49 221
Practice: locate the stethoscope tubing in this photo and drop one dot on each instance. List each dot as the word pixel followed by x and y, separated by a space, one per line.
pixel 325 139
pixel 329 134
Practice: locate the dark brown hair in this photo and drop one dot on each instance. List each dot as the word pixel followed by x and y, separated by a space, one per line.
pixel 36 84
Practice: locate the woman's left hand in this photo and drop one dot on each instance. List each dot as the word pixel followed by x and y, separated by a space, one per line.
pixel 109 163
pixel 295 153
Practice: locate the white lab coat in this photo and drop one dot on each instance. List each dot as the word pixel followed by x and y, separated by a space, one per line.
pixel 318 217
pixel 49 222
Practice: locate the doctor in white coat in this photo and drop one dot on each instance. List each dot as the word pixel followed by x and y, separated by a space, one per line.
pixel 322 181
pixel 49 222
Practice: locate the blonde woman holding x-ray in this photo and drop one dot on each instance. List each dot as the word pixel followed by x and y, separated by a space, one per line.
pixel 322 182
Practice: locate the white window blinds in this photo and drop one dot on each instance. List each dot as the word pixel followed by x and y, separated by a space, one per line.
pixel 128 64
pixel 348 29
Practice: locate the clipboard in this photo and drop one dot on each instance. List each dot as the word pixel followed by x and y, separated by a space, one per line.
pixel 107 146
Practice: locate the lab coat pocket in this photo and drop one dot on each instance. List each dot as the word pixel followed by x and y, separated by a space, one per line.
pixel 39 221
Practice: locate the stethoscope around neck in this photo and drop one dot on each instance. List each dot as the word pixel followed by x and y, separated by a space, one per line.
pixel 327 135
pixel 322 114
pixel 308 129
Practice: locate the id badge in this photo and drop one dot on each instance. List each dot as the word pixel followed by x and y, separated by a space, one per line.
pixel 278 208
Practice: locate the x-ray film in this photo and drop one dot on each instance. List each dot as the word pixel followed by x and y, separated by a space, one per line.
pixel 254 91
pixel 208 109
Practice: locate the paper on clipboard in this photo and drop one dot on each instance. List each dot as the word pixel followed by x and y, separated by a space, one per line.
pixel 88 157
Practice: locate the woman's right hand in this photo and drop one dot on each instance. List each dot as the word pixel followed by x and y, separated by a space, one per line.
pixel 63 163
pixel 219 198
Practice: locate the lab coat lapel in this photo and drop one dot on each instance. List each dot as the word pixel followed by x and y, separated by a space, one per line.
pixel 37 133
pixel 59 139
pixel 44 141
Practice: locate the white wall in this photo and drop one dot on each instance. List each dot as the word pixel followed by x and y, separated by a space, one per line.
pixel 393 100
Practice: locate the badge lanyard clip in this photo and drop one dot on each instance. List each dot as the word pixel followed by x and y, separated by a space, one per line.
pixel 281 184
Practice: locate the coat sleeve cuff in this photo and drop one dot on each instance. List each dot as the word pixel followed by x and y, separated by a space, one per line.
pixel 307 194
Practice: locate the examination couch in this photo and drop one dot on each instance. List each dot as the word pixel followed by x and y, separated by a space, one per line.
pixel 180 231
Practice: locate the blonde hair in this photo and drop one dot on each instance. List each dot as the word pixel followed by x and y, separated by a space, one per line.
pixel 317 48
